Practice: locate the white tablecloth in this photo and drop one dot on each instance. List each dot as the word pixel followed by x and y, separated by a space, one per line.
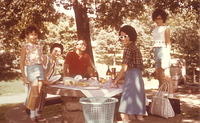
pixel 101 92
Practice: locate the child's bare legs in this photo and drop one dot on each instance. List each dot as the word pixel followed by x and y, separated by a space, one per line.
pixel 159 75
pixel 34 98
pixel 170 82
pixel 164 76
pixel 37 92
pixel 40 83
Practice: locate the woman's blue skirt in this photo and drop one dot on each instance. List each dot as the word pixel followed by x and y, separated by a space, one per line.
pixel 133 97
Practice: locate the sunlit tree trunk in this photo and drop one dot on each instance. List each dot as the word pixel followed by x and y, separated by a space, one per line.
pixel 82 24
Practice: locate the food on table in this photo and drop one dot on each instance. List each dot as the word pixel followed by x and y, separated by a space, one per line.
pixel 76 83
pixel 82 84
pixel 102 80
pixel 69 82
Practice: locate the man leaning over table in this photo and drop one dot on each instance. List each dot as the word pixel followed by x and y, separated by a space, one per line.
pixel 78 62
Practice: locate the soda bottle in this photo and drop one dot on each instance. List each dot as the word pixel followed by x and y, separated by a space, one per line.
pixel 113 73
pixel 108 73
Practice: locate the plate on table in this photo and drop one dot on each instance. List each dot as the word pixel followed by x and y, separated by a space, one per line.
pixel 91 88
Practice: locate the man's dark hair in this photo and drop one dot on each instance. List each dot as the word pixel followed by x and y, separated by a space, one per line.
pixel 56 45
pixel 159 12
pixel 130 31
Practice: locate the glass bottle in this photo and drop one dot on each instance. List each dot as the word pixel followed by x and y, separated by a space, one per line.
pixel 96 75
pixel 113 73
pixel 108 73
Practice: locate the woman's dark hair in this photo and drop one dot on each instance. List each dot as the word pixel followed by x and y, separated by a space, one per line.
pixel 30 29
pixel 159 12
pixel 56 45
pixel 130 31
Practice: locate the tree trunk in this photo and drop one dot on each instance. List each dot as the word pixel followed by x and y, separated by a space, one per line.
pixel 82 24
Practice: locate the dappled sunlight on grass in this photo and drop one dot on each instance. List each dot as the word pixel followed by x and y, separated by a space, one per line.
pixel 192 102
pixel 150 84
pixel 52 110
pixel 188 121
pixel 11 87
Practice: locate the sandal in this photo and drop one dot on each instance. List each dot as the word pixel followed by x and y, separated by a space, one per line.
pixel 140 118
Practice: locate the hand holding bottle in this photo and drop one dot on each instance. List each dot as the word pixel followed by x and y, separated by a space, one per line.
pixel 114 84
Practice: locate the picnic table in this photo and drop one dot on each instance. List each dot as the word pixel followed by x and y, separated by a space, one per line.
pixel 70 95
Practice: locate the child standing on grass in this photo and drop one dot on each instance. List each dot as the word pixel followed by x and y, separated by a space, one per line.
pixel 31 68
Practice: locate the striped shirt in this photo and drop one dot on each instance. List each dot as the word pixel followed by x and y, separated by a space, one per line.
pixel 132 57
pixel 49 66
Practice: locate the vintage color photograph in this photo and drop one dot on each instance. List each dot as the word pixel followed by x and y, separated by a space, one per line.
pixel 99 61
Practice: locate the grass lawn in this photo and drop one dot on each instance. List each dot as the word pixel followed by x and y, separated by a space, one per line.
pixel 7 88
pixel 189 103
pixel 11 87
pixel 14 87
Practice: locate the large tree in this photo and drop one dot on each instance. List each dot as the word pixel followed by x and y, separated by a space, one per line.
pixel 15 16
pixel 110 14
pixel 82 22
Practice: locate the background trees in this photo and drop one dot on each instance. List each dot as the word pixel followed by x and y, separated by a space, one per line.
pixel 107 17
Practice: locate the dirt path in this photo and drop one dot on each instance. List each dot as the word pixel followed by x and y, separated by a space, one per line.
pixel 190 106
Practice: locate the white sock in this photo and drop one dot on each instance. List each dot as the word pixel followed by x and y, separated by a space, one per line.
pixel 36 112
pixel 171 95
pixel 32 113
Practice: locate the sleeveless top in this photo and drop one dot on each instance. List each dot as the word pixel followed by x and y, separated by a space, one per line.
pixel 159 36
pixel 33 54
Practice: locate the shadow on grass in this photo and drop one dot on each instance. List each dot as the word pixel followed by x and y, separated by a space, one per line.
pixel 3 109
pixel 190 110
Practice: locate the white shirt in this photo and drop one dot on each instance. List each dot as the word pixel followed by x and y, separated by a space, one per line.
pixel 159 36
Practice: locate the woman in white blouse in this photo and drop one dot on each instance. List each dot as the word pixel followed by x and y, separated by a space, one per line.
pixel 162 47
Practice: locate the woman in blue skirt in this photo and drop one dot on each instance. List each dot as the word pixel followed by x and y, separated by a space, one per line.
pixel 132 103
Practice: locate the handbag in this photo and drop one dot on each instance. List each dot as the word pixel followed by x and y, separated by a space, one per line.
pixel 161 105
pixel 175 105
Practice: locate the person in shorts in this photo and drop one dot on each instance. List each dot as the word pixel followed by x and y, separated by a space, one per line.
pixel 32 69
pixel 161 48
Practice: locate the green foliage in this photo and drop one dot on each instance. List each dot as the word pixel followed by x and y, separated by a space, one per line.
pixel 11 87
pixel 110 15
pixel 63 32
pixel 15 16
pixel 7 66
pixel 183 22
pixel 107 46
pixel 112 12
